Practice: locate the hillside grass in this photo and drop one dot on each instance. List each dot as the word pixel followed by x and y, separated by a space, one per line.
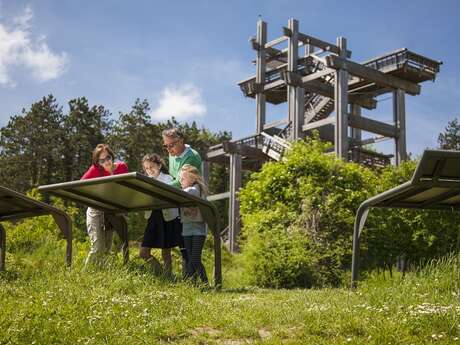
pixel 42 302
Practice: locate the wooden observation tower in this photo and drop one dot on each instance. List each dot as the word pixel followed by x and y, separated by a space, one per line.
pixel 325 91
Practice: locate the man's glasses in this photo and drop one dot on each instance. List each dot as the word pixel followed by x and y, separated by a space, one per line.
pixel 170 146
pixel 106 159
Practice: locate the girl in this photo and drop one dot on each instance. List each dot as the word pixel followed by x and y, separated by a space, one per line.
pixel 193 227
pixel 100 236
pixel 163 229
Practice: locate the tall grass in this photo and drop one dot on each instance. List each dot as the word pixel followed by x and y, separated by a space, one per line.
pixel 43 302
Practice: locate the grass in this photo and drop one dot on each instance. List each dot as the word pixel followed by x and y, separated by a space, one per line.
pixel 41 302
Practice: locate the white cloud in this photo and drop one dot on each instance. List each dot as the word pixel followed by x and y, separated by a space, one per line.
pixel 23 20
pixel 19 49
pixel 182 102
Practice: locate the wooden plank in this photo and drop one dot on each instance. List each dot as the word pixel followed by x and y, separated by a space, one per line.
pixel 276 139
pixel 306 39
pixel 274 84
pixel 318 59
pixel 316 75
pixel 355 132
pixel 356 136
pixel 320 88
pixel 244 150
pixel 327 90
pixel 215 153
pixel 399 115
pixel 372 75
pixel 294 93
pixel 275 42
pixel 317 86
pixel 234 205
pixel 372 126
pixel 324 122
pixel 260 76
pixel 341 106
pixel 274 124
pixel 219 196
pixel 373 140
pixel 251 152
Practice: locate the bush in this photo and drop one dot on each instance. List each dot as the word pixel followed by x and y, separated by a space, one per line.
pixel 298 217
pixel 416 235
pixel 30 233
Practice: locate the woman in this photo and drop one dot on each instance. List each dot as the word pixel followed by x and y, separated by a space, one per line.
pixel 101 238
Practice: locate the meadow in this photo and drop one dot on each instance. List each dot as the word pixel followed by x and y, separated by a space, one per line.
pixel 43 302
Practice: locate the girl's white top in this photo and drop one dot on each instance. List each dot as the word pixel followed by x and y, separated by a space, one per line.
pixel 191 217
pixel 192 214
pixel 168 213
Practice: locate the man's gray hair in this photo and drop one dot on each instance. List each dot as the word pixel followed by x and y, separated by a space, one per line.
pixel 173 133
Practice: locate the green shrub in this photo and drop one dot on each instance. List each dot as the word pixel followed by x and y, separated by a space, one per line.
pixel 418 235
pixel 30 233
pixel 298 217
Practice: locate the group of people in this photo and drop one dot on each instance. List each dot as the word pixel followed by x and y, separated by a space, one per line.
pixel 167 228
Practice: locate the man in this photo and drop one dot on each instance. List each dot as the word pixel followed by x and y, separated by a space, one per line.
pixel 179 154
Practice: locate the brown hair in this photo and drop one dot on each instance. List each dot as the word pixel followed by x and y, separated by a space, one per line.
pixel 173 133
pixel 195 176
pixel 155 158
pixel 98 150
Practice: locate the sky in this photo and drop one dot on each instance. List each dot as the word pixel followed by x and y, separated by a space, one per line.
pixel 186 57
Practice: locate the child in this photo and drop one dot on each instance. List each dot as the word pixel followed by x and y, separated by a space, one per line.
pixel 193 227
pixel 163 229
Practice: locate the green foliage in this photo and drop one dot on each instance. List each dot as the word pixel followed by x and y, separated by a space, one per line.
pixel 29 146
pixel 133 135
pixel 278 259
pixel 450 139
pixel 45 145
pixel 84 128
pixel 29 234
pixel 418 235
pixel 307 201
pixel 311 199
pixel 44 302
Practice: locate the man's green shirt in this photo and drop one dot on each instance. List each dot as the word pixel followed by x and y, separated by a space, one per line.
pixel 189 156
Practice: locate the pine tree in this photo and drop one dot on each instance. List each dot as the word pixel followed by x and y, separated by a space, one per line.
pixel 84 128
pixel 450 139
pixel 30 145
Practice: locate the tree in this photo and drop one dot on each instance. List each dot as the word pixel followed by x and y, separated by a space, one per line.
pixel 84 128
pixel 43 145
pixel 30 145
pixel 450 139
pixel 298 217
pixel 133 135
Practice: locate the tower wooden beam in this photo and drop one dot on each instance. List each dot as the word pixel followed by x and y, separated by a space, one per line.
pixel 371 74
pixel 341 105
pixel 306 39
pixel 260 75
pixel 399 116
pixel 319 87
pixel 373 126
pixel 234 211
pixel 295 93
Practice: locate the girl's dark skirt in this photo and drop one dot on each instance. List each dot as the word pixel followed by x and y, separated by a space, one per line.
pixel 161 234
